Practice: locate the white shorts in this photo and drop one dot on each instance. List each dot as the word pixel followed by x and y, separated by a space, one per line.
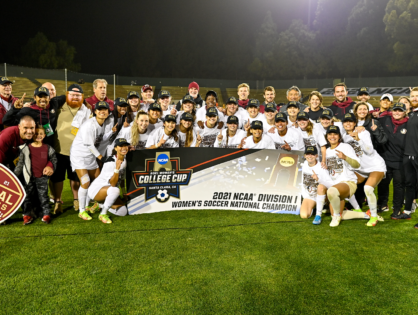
pixel 83 163
pixel 95 187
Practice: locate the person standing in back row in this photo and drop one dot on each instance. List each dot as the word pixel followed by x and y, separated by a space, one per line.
pixel 342 104
pixel 100 94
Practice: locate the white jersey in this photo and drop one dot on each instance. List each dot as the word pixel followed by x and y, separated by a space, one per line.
pixel 246 117
pixel 208 135
pixel 182 138
pixel 239 115
pixel 155 137
pixel 108 125
pixel 266 126
pixel 85 147
pixel 201 114
pixel 317 138
pixel 309 185
pixel 290 124
pixel 106 174
pixel 339 169
pixel 370 160
pixel 293 137
pixel 265 143
pixel 157 125
pixel 233 142
pixel 126 133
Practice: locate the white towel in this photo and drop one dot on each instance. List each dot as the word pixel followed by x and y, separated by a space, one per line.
pixel 82 115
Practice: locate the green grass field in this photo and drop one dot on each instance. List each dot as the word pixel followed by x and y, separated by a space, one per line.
pixel 207 262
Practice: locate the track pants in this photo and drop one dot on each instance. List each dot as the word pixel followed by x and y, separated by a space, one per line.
pixel 410 164
pixel 37 194
pixel 398 176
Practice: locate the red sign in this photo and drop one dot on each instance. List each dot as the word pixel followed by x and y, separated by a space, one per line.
pixel 12 193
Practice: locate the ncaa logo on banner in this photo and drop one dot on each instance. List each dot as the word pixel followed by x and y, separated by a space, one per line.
pixel 12 193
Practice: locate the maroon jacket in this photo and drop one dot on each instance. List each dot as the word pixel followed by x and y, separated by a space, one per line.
pixel 3 110
pixel 92 100
pixel 10 141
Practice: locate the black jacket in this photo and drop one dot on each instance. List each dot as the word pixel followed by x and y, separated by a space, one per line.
pixel 378 136
pixel 411 147
pixel 393 150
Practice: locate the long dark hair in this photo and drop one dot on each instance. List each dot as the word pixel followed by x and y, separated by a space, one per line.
pixel 368 117
pixel 328 145
pixel 115 115
pixel 173 133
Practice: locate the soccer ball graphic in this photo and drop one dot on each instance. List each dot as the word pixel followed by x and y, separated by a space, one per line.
pixel 162 195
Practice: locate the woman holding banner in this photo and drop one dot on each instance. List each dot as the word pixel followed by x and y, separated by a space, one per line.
pixel 165 136
pixel 231 136
pixel 105 189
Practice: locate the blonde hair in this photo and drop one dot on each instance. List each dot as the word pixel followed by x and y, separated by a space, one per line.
pixel 405 97
pixel 134 129
pixel 317 94
pixel 244 85
pixel 189 135
pixel 95 82
pixel 193 111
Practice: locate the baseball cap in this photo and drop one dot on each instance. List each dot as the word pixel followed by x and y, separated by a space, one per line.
pixel 154 106
pixel 5 80
pixel 101 105
pixel 270 107
pixel 189 98
pixel 327 113
pixel 41 90
pixel 253 103
pixel 349 117
pixel 293 104
pixel 121 142
pixel 186 116
pixel 232 120
pixel 280 117
pixel 232 100
pixel 120 101
pixel 363 90
pixel 194 85
pixel 164 93
pixel 302 115
pixel 388 96
pixel 333 129
pixel 146 87
pixel 211 93
pixel 133 94
pixel 75 88
pixel 311 150
pixel 212 112
pixel 170 118
pixel 256 124
pixel 400 106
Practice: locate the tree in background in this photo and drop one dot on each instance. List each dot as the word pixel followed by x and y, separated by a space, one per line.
pixel 39 52
pixel 401 20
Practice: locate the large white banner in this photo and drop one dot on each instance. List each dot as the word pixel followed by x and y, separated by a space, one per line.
pixel 210 178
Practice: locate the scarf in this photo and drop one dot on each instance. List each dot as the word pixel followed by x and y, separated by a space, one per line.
pixel 344 104
pixel 398 123
pixel 243 103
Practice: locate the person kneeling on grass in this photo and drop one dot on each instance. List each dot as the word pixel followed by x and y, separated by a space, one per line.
pixel 106 187
pixel 315 182
pixel 37 162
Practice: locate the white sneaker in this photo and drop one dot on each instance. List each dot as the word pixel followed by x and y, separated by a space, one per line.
pixel 414 206
pixel 335 221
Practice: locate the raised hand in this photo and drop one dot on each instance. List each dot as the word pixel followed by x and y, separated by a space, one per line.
pixel 125 123
pixel 200 124
pixel 354 135
pixel 19 102
pixel 114 129
pixel 373 127
pixel 341 155
pixel 118 163
pixel 198 140
pixel 161 142
pixel 314 176
pixel 220 136
pixel 240 146
pixel 286 146
pixel 247 125
pixel 272 129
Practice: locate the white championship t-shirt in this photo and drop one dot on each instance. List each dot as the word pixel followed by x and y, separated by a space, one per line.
pixel 293 137
pixel 155 137
pixel 339 169
pixel 309 185
pixel 208 135
pixel 233 142
pixel 265 143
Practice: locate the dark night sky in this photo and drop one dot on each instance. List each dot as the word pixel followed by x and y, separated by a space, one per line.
pixel 108 35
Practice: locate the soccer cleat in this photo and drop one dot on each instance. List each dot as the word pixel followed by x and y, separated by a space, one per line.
pixel 57 207
pixel 92 209
pixel 51 199
pixel 317 220
pixel 27 219
pixel 335 221
pixel 379 218
pixel 84 215
pixel 76 205
pixel 46 219
pixel 401 216
pixel 373 221
pixel 416 226
pixel 357 210
pixel 105 218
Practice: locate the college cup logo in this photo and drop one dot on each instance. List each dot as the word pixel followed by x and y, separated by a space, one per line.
pixel 12 193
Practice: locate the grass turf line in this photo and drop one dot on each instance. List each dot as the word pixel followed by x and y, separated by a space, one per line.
pixel 207 262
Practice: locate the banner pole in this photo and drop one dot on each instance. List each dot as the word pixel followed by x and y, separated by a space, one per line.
pixel 66 79
pixel 5 69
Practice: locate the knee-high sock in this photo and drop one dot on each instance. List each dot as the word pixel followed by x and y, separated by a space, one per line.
pixel 320 201
pixel 112 195
pixel 371 199
pixel 350 215
pixel 82 196
pixel 121 211
pixel 334 199
pixel 354 202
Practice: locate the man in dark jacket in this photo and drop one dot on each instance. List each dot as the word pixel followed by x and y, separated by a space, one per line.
pixel 194 92
pixel 342 104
